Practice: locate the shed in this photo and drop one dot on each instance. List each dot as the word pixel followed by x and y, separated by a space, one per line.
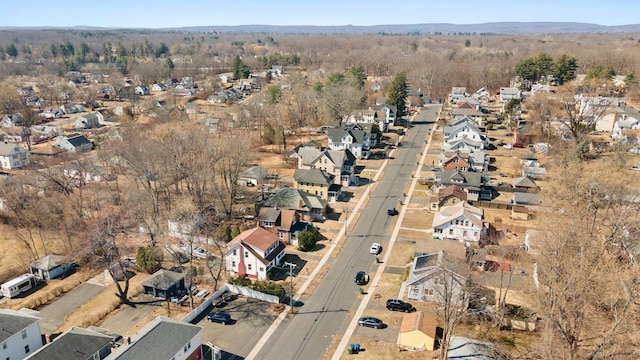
pixel 417 332
pixel 50 267
pixel 164 284
pixel 252 176
pixel 519 212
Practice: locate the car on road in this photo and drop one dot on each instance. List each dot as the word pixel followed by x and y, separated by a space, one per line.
pixel 361 278
pixel 507 146
pixel 371 322
pixel 635 168
pixel 220 317
pixel 518 145
pixel 392 211
pixel 399 305
pixel 375 249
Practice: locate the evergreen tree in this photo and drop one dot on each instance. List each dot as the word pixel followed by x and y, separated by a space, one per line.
pixel 565 68
pixel 240 69
pixel 12 50
pixel 397 95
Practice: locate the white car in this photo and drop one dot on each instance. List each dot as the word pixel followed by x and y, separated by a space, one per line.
pixel 375 249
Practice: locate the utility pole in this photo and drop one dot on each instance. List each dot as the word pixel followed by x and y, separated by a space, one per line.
pixel 346 221
pixel 291 267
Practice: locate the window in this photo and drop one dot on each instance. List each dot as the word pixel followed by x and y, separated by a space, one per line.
pixel 24 334
pixel 26 349
pixel 428 292
pixel 233 264
pixel 466 223
pixel 4 345
pixel 464 233
pixel 261 269
pixel 249 266
pixel 246 254
pixel 450 231
pixel 438 281
pixel 280 236
pixel 235 252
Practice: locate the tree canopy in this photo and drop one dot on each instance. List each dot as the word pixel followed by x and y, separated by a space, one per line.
pixel 397 94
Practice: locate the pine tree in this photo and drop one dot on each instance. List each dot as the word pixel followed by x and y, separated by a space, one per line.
pixel 397 95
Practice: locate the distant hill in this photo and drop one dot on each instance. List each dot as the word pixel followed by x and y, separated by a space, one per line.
pixel 485 28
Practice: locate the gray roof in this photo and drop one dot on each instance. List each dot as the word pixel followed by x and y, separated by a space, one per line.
pixel 288 198
pixel 307 153
pixel 160 339
pixel 341 157
pixel 358 135
pixel 269 214
pixel 254 172
pixel 313 176
pixel 464 179
pixel 521 198
pixel 12 322
pixel 74 344
pixel 49 262
pixel 163 279
pixel 7 148
pixel 524 181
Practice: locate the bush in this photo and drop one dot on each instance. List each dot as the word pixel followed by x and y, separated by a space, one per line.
pixel 240 281
pixel 307 239
pixel 268 287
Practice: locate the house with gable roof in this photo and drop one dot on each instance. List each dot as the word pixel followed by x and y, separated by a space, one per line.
pixel 472 183
pixel 317 182
pixel 285 223
pixel 427 278
pixel 448 196
pixel 464 159
pixel 354 138
pixel 339 163
pixel 461 222
pixel 13 156
pixel 75 143
pixel 417 332
pixel 465 129
pixel 509 93
pixel 164 284
pixel 20 335
pixel 310 207
pixel 482 95
pixel 253 253
pixel 90 121
pixel 11 120
pixel 253 176
pixel 50 267
pixel 457 93
pixel 162 338
pixel 75 344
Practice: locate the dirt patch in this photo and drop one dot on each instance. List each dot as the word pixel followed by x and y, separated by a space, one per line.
pixel 402 254
pixel 388 288
pixel 417 219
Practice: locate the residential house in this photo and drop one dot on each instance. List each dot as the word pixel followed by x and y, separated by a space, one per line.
pixel 141 90
pixel 11 120
pixel 467 103
pixel 427 278
pixel 339 163
pixel 159 87
pixel 226 78
pixel 90 121
pixel 86 173
pixel 509 93
pixel 482 95
pixel 525 183
pixel 75 143
pixel 51 114
pixel 20 335
pixel 317 182
pixel 448 196
pixel 473 183
pixel 213 125
pixel 539 88
pixel 525 199
pixel 417 332
pixel 534 170
pixel 71 108
pixel 354 138
pixel 253 253
pixel 253 176
pixel 390 115
pixel 164 284
pixel 464 159
pixel 51 267
pixel 311 207
pixel 75 344
pixel 457 93
pixel 277 70
pixel 462 222
pixel 623 123
pixel 162 338
pixel 473 114
pixel 185 93
pixel 218 98
pixel 286 223
pixel 48 151
pixel 13 156
pixel 46 131
pixel 465 129
pixel 192 108
pixel 415 97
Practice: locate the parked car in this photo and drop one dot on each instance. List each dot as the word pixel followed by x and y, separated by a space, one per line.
pixel 181 257
pixel 518 145
pixel 507 146
pixel 399 305
pixel 361 278
pixel 220 317
pixel 201 253
pixel 371 322
pixel 635 168
pixel 392 211
pixel 375 249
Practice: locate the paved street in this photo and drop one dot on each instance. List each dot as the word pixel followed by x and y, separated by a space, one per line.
pixel 326 312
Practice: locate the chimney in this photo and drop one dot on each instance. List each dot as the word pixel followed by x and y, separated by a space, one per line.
pixel 126 340
pixel 300 204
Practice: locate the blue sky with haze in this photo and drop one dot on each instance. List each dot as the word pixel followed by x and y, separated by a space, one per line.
pixel 163 13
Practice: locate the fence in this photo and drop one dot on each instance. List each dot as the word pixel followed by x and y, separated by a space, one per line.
pixel 244 291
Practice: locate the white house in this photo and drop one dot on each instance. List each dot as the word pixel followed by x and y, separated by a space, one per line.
pixel 457 93
pixel 462 222
pixel 159 87
pixel 430 280
pixel 12 156
pixel 90 121
pixel 141 90
pixel 465 129
pixel 482 95
pixel 10 120
pixel 20 335
pixel 354 138
pixel 253 253
pixel 339 163
pixel 509 93
pixel 75 143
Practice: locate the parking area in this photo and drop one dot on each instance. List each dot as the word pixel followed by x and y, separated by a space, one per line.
pixel 251 319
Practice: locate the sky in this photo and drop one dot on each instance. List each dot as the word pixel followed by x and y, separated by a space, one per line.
pixel 173 13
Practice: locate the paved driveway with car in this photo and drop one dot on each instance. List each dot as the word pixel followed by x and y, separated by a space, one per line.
pixel 251 318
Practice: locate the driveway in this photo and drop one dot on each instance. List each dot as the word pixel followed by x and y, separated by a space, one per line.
pixel 53 315
pixel 122 321
pixel 251 318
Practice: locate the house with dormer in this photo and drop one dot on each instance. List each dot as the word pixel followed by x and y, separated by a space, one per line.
pixel 13 156
pixel 354 137
pixel 317 182
pixel 473 183
pixel 464 159
pixel 448 196
pixel 482 95
pixel 465 129
pixel 285 223
pixel 339 163
pixel 253 253
pixel 462 222
pixel 428 276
